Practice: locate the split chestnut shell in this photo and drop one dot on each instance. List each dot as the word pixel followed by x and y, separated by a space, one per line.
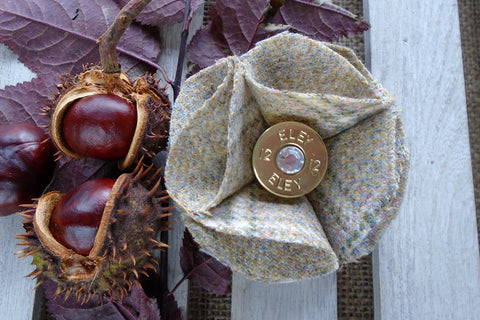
pixel 131 220
pixel 151 104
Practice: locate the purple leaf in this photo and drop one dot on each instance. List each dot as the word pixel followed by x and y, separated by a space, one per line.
pixel 244 23
pixel 23 102
pixel 205 49
pixel 209 44
pixel 135 306
pixel 240 22
pixel 145 308
pixel 59 36
pixel 70 173
pixel 173 312
pixel 202 269
pixel 161 12
pixel 325 22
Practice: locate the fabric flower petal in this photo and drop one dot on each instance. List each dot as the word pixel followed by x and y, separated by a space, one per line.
pixel 209 157
pixel 364 184
pixel 195 94
pixel 294 78
pixel 264 237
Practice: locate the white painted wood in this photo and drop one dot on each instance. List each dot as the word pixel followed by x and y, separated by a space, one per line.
pixel 18 297
pixel 170 43
pixel 11 70
pixel 304 300
pixel 427 265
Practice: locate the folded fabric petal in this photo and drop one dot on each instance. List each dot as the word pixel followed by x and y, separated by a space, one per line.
pixel 264 237
pixel 363 186
pixel 208 161
pixel 294 78
pixel 218 117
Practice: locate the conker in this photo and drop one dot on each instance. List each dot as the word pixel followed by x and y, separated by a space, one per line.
pixel 100 126
pixel 107 116
pixel 131 218
pixel 75 220
pixel 26 165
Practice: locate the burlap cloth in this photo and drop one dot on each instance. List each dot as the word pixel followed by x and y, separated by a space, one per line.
pixel 354 281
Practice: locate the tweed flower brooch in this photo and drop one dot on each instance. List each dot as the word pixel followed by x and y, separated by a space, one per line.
pixel 217 120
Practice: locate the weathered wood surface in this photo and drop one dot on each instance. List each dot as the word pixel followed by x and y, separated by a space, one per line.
pixel 303 300
pixel 427 265
pixel 18 296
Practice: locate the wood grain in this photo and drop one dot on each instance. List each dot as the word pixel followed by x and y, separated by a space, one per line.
pixel 303 300
pixel 18 296
pixel 427 265
pixel 11 70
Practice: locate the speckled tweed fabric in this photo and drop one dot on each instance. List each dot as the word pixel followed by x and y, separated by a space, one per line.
pixel 220 113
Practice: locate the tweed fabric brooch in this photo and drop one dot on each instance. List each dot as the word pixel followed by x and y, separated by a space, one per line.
pixel 221 112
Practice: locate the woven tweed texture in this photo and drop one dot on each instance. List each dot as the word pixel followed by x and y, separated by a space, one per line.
pixel 219 115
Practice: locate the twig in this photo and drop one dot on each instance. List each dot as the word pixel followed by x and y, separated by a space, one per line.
pixel 109 40
pixel 182 51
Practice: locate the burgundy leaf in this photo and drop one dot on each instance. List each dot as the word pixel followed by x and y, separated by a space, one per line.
pixel 202 269
pixel 205 49
pixel 59 36
pixel 161 12
pixel 209 44
pixel 70 173
pixel 23 102
pixel 145 308
pixel 173 312
pixel 240 22
pixel 135 306
pixel 325 22
pixel 244 23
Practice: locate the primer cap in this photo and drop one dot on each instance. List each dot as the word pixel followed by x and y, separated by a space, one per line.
pixel 290 159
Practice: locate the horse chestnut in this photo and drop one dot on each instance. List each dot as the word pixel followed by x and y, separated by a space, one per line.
pixel 100 126
pixel 106 116
pixel 97 239
pixel 26 165
pixel 75 220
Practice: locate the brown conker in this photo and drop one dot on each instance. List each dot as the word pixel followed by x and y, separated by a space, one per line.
pixel 106 116
pixel 100 126
pixel 26 165
pixel 133 215
pixel 76 218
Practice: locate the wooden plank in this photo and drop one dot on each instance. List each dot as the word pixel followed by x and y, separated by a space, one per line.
pixel 302 300
pixel 170 43
pixel 427 265
pixel 11 70
pixel 18 296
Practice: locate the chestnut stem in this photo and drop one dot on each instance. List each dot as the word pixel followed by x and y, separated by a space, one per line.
pixel 109 40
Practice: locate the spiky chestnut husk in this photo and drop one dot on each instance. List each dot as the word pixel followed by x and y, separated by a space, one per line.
pixel 132 218
pixel 152 106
